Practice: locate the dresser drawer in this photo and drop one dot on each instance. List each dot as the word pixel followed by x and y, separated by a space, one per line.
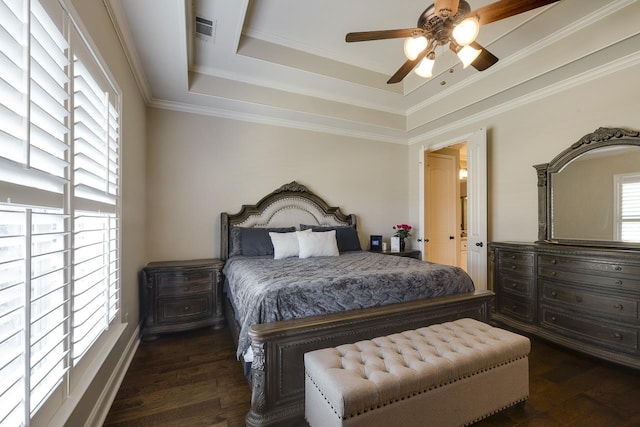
pixel 184 309
pixel 592 330
pixel 507 267
pixel 589 302
pixel 515 308
pixel 608 282
pixel 514 257
pixel 590 266
pixel 518 285
pixel 185 283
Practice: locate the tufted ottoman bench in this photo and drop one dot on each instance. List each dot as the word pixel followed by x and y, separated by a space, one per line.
pixel 449 374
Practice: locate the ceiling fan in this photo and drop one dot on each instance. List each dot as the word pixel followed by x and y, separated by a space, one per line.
pixel 448 22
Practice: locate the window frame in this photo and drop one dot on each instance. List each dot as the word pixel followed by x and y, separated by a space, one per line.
pixel 619 180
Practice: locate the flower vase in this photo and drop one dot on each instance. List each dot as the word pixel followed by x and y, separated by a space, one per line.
pixel 402 244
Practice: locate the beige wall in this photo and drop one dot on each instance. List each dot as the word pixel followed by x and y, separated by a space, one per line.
pixel 96 19
pixel 200 166
pixel 535 133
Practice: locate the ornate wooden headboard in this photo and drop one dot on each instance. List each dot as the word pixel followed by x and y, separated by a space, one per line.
pixel 290 205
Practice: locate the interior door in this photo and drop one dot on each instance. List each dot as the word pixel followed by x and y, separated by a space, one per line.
pixel 441 221
pixel 477 208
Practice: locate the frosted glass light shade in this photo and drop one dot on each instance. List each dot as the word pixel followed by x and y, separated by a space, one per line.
pixel 466 31
pixel 425 68
pixel 413 46
pixel 467 55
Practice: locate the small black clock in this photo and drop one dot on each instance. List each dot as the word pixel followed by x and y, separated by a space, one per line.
pixel 375 243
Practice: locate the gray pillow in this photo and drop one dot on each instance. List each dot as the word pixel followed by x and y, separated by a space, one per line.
pixel 253 241
pixel 346 236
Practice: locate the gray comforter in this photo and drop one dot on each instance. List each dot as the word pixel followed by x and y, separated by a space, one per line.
pixel 267 290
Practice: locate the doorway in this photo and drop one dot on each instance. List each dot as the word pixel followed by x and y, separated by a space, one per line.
pixel 469 232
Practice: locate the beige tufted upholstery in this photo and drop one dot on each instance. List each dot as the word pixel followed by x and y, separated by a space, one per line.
pixel 407 378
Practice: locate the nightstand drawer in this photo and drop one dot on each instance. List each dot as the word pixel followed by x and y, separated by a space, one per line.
pixel 175 286
pixel 170 283
pixel 184 309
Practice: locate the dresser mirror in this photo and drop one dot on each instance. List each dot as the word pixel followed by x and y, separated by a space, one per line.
pixel 589 194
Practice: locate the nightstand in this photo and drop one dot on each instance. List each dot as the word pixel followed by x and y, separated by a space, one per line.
pixel 407 253
pixel 181 295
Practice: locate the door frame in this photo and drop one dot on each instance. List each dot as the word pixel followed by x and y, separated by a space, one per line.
pixel 476 259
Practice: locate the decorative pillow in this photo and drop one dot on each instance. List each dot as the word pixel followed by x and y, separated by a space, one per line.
pixel 235 244
pixel 254 241
pixel 317 243
pixel 285 245
pixel 346 235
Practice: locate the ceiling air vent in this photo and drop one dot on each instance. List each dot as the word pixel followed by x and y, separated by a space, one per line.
pixel 205 27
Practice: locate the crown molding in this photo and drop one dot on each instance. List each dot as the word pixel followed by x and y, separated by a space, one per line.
pixel 114 8
pixel 374 134
pixel 553 89
pixel 337 128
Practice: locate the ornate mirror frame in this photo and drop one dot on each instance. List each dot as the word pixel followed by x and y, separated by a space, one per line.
pixel 601 137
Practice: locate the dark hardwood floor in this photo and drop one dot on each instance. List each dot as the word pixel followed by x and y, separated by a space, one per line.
pixel 193 379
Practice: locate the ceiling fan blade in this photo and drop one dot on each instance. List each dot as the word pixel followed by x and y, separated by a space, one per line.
pixel 363 36
pixel 485 60
pixel 406 68
pixel 505 8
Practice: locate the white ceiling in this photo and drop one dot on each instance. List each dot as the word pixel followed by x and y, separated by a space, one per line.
pixel 285 62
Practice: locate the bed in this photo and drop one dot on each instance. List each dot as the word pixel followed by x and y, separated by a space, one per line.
pixel 279 307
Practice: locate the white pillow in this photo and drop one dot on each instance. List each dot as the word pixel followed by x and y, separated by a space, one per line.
pixel 317 243
pixel 285 245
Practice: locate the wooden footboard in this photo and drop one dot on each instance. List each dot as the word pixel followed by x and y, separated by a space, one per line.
pixel 278 367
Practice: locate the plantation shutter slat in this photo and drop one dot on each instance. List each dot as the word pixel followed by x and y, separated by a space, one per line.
pixel 12 327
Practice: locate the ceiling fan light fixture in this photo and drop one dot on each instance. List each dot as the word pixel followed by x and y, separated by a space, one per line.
pixel 467 55
pixel 425 68
pixel 413 46
pixel 466 32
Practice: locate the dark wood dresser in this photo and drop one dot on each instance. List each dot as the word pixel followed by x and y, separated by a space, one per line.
pixel 585 298
pixel 180 295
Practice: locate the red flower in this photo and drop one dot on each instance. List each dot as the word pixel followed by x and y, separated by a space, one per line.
pixel 402 230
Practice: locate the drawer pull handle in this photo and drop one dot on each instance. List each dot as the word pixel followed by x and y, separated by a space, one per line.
pixel 553 273
pixel 513 267
pixel 186 308
pixel 618 282
pixel 618 306
pixel 553 318
pixel 513 257
pixel 617 336
pixel 617 268
pixel 514 285
pixel 553 261
pixel 554 294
